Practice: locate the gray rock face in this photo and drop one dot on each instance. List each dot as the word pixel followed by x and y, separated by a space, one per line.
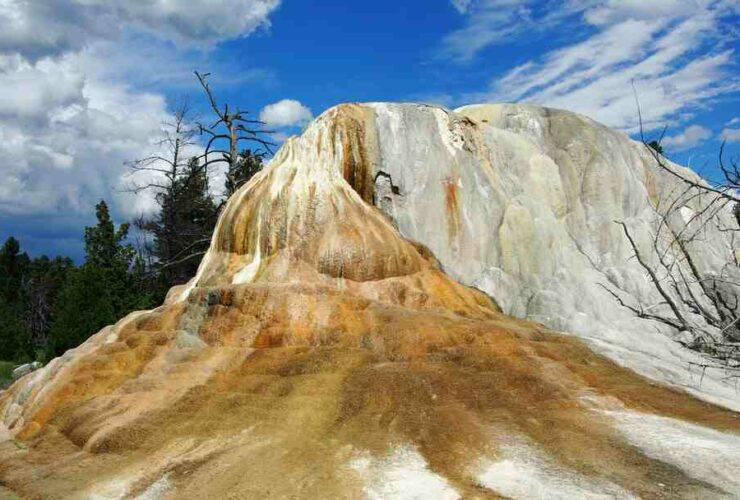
pixel 521 202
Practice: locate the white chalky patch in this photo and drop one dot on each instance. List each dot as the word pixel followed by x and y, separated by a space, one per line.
pixel 450 134
pixel 5 434
pixel 700 452
pixel 247 274
pixel 686 214
pixel 403 475
pixel 111 490
pixel 157 490
pixel 527 473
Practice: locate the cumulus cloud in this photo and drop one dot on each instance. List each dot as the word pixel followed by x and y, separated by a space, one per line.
pixel 65 149
pixel 204 21
pixel 286 113
pixel 40 28
pixel 71 113
pixel 691 137
pixel 673 54
pixel 33 92
pixel 174 66
pixel 730 135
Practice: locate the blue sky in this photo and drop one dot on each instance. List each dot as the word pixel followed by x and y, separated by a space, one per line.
pixel 86 85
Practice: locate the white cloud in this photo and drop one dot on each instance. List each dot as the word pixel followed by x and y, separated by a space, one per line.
pixel 286 113
pixel 33 92
pixel 493 22
pixel 204 21
pixel 734 121
pixel 691 137
pixel 564 69
pixel 42 28
pixel 70 157
pixel 174 66
pixel 486 22
pixel 613 11
pixel 461 5
pixel 70 110
pixel 672 52
pixel 730 135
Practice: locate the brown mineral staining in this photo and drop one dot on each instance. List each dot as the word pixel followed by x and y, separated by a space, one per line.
pixel 452 213
pixel 313 368
pixel 351 124
pixel 349 338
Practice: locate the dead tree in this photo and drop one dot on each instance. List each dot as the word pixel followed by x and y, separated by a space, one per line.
pixel 704 306
pixel 225 136
pixel 180 186
pixel 168 165
pixel 40 293
pixel 718 296
pixel 692 300
pixel 727 189
pixel 179 177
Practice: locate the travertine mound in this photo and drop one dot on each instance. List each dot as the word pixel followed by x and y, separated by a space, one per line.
pixel 521 202
pixel 323 352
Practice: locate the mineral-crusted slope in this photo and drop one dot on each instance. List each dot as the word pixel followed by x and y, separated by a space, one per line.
pixel 322 352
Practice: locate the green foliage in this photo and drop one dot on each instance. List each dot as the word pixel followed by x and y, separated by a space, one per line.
pixel 655 145
pixel 103 290
pixel 6 373
pixel 14 336
pixel 92 298
pixel 28 291
pixel 104 245
pixel 41 289
pixel 182 229
pixel 246 167
pixel 14 267
pixel 49 305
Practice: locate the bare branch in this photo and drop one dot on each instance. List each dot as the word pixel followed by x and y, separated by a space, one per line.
pixel 653 277
pixel 203 79
pixel 187 258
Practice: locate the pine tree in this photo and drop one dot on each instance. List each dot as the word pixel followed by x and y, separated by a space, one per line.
pixel 248 164
pixel 103 290
pixel 104 245
pixel 656 146
pixel 13 266
pixel 182 229
pixel 14 335
pixel 45 279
